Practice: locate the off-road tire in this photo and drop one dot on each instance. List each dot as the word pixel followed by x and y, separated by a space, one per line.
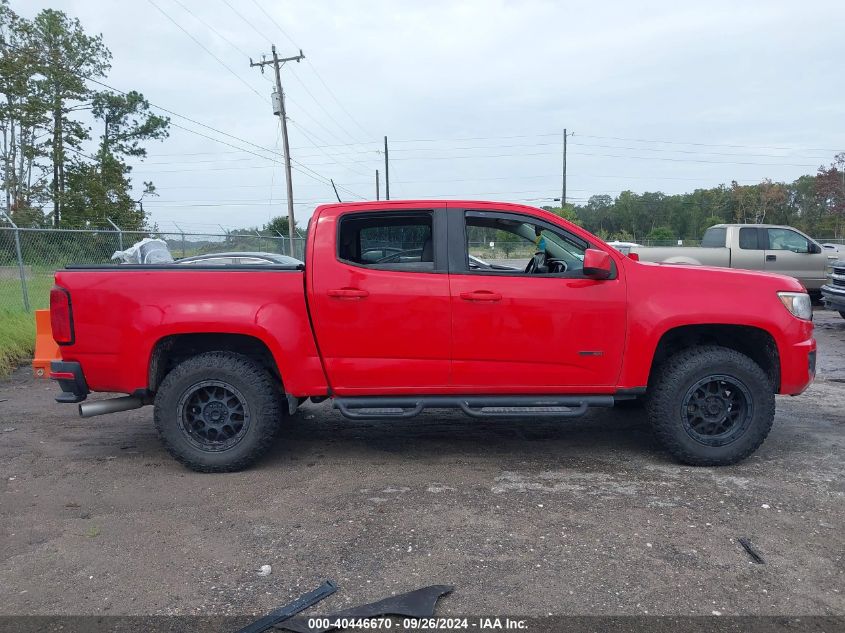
pixel 262 395
pixel 677 376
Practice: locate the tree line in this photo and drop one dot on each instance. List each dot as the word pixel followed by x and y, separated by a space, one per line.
pixel 814 204
pixel 49 113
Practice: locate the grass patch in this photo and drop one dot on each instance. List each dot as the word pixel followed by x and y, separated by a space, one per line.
pixel 38 283
pixel 17 339
pixel 17 327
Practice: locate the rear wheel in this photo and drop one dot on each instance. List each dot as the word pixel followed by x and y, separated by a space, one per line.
pixel 218 411
pixel 711 406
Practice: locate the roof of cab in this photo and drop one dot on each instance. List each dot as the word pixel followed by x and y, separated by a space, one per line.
pixel 386 205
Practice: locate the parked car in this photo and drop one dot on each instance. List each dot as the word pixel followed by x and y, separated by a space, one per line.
pixel 833 293
pixel 765 247
pixel 224 354
pixel 239 258
pixel 623 247
pixel 415 254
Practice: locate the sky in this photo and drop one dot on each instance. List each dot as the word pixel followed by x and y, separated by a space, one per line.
pixel 473 96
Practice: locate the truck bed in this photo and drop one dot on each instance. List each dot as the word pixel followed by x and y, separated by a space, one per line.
pixel 697 255
pixel 148 303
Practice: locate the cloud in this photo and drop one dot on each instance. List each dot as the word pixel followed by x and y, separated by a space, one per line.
pixel 509 75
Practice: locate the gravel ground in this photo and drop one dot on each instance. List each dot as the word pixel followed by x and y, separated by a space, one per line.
pixel 523 517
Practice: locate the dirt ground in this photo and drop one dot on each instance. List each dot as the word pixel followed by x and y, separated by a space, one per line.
pixel 522 516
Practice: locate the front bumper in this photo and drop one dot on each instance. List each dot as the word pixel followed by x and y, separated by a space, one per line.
pixel 833 297
pixel 798 367
pixel 71 381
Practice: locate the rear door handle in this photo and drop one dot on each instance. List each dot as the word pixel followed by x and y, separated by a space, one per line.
pixel 481 295
pixel 771 258
pixel 348 293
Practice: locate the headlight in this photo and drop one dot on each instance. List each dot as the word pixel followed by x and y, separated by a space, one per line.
pixel 798 303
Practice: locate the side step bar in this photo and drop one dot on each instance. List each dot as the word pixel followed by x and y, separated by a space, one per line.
pixel 400 407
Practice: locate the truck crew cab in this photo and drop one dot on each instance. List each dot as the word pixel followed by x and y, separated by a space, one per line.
pixel 390 316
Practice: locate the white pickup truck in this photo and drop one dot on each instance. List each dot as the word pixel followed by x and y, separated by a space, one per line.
pixel 765 247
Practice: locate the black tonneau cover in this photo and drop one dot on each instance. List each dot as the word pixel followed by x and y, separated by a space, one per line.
pixel 181 267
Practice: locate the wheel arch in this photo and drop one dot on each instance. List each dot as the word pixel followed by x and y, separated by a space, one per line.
pixel 168 351
pixel 755 342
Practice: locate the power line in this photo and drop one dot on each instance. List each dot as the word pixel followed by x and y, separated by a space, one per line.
pixel 642 140
pixel 321 106
pixel 446 195
pixel 316 176
pixel 627 157
pixel 314 68
pixel 247 22
pixel 212 29
pixel 236 47
pixel 220 61
pixel 332 158
pixel 203 47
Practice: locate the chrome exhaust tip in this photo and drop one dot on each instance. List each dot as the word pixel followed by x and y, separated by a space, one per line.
pixel 112 405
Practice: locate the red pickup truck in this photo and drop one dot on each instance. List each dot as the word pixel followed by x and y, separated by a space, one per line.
pixel 391 315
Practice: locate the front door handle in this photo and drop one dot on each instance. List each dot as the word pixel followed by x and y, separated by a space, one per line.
pixel 481 295
pixel 771 258
pixel 348 293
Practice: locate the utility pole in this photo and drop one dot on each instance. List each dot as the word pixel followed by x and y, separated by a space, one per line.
pixel 377 191
pixel 119 233
pixel 563 181
pixel 386 173
pixel 279 109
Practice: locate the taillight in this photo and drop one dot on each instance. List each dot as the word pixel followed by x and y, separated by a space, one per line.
pixel 61 316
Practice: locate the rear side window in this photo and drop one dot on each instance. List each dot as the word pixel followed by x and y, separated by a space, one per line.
pixel 394 241
pixel 714 237
pixel 748 239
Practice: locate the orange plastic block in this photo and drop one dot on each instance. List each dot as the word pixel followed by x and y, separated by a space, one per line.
pixel 46 349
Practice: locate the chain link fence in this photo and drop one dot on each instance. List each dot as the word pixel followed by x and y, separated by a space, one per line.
pixel 29 257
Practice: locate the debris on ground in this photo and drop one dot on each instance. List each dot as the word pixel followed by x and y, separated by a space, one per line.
pixel 289 610
pixel 265 570
pixel 419 603
pixel 752 551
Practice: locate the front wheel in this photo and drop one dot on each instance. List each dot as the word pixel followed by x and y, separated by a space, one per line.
pixel 218 412
pixel 711 406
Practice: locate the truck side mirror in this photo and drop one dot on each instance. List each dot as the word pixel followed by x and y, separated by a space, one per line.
pixel 815 249
pixel 597 264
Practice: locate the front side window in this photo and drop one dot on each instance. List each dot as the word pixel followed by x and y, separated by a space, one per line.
pixel 401 241
pixel 787 240
pixel 511 245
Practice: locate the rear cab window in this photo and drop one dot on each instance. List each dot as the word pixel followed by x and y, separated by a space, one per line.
pixel 401 240
pixel 715 237
pixel 749 238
